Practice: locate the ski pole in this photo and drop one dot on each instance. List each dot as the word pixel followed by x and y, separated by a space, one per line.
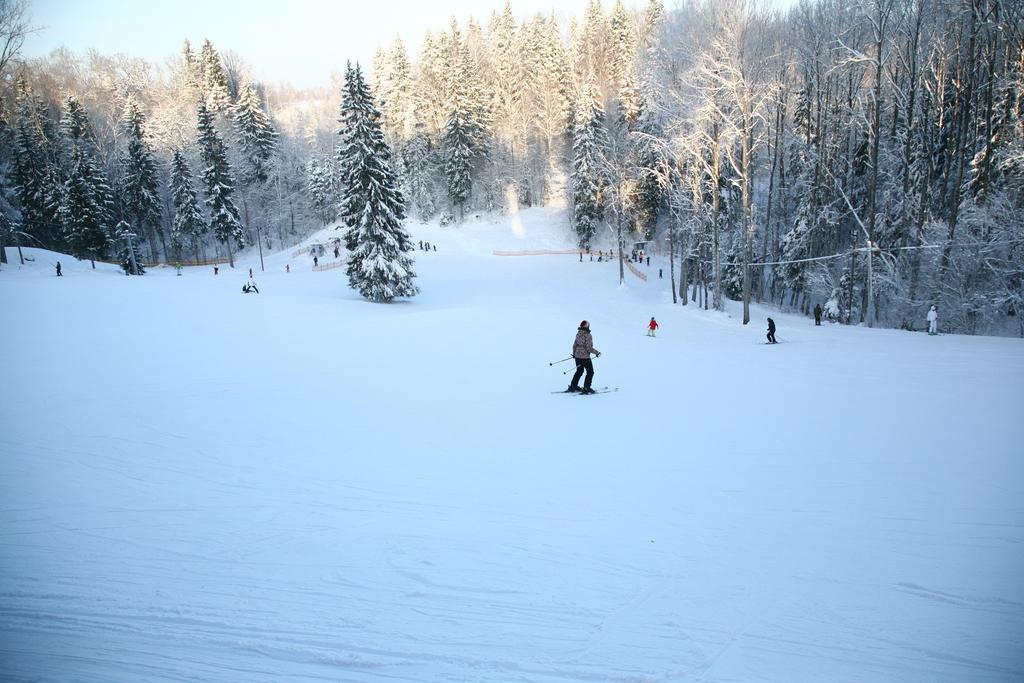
pixel 560 361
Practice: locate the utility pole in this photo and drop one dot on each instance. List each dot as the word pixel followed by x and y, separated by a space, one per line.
pixel 131 255
pixel 259 243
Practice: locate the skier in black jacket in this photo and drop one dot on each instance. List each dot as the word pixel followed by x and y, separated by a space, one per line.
pixel 771 331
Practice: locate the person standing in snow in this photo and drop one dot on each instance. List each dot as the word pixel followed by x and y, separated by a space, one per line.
pixel 582 347
pixel 315 261
pixel 287 268
pixel 817 314
pixel 933 320
pixel 651 327
pixel 58 269
pixel 771 331
pixel 216 269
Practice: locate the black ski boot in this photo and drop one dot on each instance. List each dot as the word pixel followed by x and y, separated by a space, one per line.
pixel 572 389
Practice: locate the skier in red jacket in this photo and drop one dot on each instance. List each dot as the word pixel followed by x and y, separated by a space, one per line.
pixel 651 327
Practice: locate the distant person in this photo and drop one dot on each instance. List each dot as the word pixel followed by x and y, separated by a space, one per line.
pixel 652 327
pixel 933 320
pixel 59 274
pixel 659 273
pixel 316 261
pixel 771 331
pixel 581 257
pixel 817 314
pixel 250 273
pixel 177 267
pixel 421 245
pixel 250 288
pixel 336 252
pixel 582 347
pixel 648 260
pixel 287 268
pixel 216 269
pixel 591 258
pixel 435 247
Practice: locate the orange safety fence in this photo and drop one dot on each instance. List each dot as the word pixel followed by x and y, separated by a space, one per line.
pixel 331 265
pixel 636 271
pixel 537 252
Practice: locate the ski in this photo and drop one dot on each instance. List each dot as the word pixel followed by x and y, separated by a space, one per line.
pixel 601 390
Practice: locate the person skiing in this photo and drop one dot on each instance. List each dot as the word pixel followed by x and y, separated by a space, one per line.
pixel 771 332
pixel 651 327
pixel 177 268
pixel 250 273
pixel 216 269
pixel 59 274
pixel 287 268
pixel 933 320
pixel 582 347
pixel 817 314
pixel 315 261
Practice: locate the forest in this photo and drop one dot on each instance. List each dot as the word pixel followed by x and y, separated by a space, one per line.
pixel 865 156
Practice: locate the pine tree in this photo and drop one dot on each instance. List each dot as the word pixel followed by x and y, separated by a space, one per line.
pixel 128 252
pixel 214 81
pixel 140 192
pixel 87 202
pixel 36 191
pixel 218 184
pixel 590 166
pixel 372 207
pixel 320 187
pixel 256 136
pixel 85 219
pixel 188 227
pixel 420 167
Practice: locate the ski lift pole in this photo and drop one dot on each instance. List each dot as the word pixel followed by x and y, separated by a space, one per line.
pixel 259 243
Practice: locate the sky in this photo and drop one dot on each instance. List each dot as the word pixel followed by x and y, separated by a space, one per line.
pixel 297 41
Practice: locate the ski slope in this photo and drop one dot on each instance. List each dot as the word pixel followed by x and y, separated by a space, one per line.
pixel 201 485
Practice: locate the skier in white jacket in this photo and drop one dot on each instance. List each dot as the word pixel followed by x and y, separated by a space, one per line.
pixel 933 321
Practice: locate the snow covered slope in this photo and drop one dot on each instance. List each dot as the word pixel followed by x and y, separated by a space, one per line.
pixel 198 484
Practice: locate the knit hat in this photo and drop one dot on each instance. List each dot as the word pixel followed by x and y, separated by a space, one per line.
pixel 585 325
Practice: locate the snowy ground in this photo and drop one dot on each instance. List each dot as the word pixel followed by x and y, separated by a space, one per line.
pixel 196 484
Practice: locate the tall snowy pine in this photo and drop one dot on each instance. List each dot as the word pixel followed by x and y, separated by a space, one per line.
pixel 139 186
pixel 87 202
pixel 188 227
pixel 218 184
pixel 372 206
pixel 589 166
pixel 256 136
pixel 36 191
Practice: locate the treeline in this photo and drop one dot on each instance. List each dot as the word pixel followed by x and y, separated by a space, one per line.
pixel 867 156
pixel 114 158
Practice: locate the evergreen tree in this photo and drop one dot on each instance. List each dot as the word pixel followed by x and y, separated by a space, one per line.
pixel 218 184
pixel 458 158
pixel 256 136
pixel 36 192
pixel 214 81
pixel 590 166
pixel 420 167
pixel 87 202
pixel 83 215
pixel 128 252
pixel 321 190
pixel 372 206
pixel 188 227
pixel 140 192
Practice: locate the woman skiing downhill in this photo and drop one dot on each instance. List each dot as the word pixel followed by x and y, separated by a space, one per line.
pixel 582 347
pixel 651 327
pixel 771 332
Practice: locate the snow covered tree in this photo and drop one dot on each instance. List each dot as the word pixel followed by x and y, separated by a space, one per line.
pixel 84 213
pixel 372 206
pixel 420 168
pixel 218 184
pixel 36 192
pixel 140 192
pixel 322 195
pixel 188 226
pixel 87 201
pixel 590 177
pixel 255 134
pixel 214 80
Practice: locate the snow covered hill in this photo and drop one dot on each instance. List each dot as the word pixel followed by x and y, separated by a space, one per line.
pixel 198 484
